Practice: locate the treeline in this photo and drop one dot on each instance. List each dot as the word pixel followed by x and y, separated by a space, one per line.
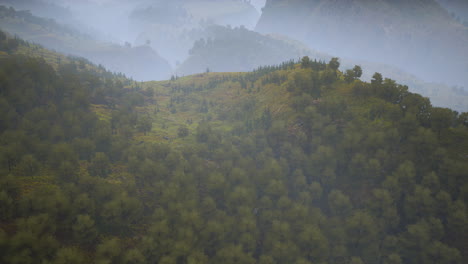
pixel 353 172
pixel 9 13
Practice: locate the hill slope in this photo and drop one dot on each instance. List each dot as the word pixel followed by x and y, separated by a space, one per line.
pixel 297 163
pixel 225 49
pixel 140 63
pixel 418 36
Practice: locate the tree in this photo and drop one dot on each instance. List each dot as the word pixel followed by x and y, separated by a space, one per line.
pixel 305 62
pixel 28 166
pixel 357 71
pixel 362 234
pixel 133 256
pixel 339 203
pixel 349 76
pixel 183 131
pixel 441 119
pixel 100 165
pixel 203 132
pixel 145 125
pixel 354 74
pixel 121 212
pixel 69 256
pixel 334 64
pixel 312 241
pixel 6 206
pixel 233 254
pixel 84 229
pixel 109 251
pixel 377 79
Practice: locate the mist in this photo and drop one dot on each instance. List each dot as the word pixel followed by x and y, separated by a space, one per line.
pixel 233 131
pixel 419 43
pixel 419 37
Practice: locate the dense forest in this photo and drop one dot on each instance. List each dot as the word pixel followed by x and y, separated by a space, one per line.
pixel 295 163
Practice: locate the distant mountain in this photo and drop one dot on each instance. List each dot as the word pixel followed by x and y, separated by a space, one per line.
pixel 418 36
pixel 140 63
pixel 457 9
pixel 297 163
pixel 172 27
pixel 225 49
pixel 41 8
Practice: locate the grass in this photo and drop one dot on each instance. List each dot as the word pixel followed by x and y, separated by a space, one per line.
pixel 223 100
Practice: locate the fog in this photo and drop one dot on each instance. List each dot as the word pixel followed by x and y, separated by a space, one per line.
pixel 153 36
pixel 415 41
pixel 419 37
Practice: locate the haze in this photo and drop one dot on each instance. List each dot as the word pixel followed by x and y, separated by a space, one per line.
pixel 420 43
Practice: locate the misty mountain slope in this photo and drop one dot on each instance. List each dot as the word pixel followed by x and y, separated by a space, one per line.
pixel 42 8
pixel 224 49
pixel 172 27
pixel 222 12
pixel 418 36
pixel 234 13
pixel 456 8
pixel 297 163
pixel 140 63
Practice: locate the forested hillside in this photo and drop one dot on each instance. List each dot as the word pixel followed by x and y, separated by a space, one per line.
pixel 42 8
pixel 140 62
pixel 418 36
pixel 226 49
pixel 296 163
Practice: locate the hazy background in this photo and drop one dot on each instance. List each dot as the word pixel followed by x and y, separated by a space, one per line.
pixel 422 43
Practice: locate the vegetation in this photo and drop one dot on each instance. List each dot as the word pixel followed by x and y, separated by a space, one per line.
pixel 140 63
pixel 226 49
pixel 296 163
pixel 384 31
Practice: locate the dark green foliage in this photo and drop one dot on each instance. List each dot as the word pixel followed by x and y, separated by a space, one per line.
pixel 100 165
pixel 340 173
pixel 334 64
pixel 353 74
pixel 182 131
pixel 84 229
pixel 69 256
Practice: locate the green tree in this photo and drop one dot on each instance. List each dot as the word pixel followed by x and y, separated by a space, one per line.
pixel 349 76
pixel 357 71
pixel 121 212
pixel 144 125
pixel 84 229
pixel 100 165
pixel 339 203
pixel 377 79
pixel 183 131
pixel 69 256
pixel 232 254
pixel 28 166
pixel 305 62
pixel 362 232
pixel 441 119
pixel 109 251
pixel 6 206
pixel 334 64
pixel 133 256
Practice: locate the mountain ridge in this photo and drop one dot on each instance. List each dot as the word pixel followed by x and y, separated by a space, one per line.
pixel 399 33
pixel 294 163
